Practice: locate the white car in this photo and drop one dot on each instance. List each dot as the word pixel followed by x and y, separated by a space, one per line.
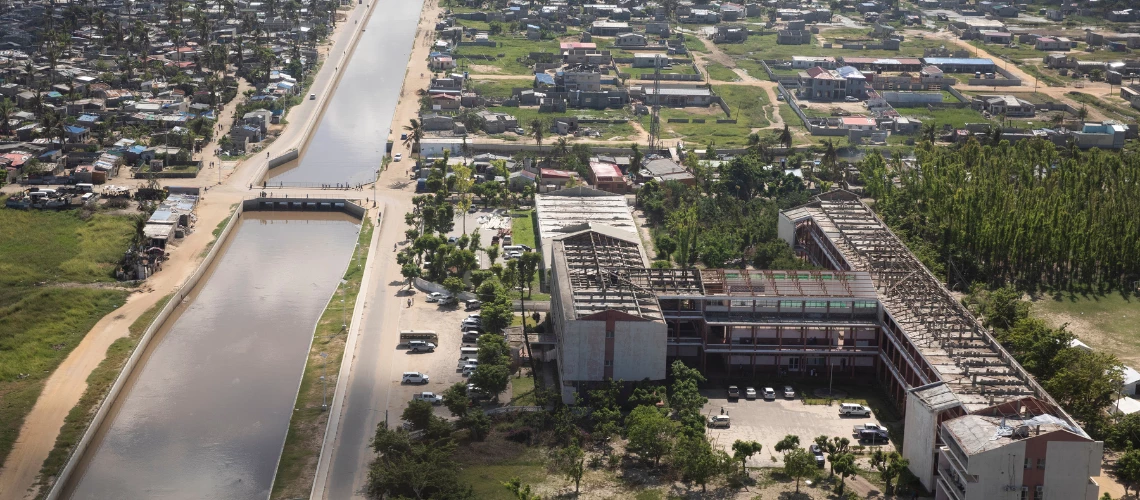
pixel 437 297
pixel 721 421
pixel 420 346
pixel 469 369
pixel 312 97
pixel 430 397
pixel 468 362
pixel 750 393
pixel 398 157
pixel 769 394
pixel 514 255
pixel 789 393
pixel 414 378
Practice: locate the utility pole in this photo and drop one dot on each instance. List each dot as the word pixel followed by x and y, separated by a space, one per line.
pixel 324 383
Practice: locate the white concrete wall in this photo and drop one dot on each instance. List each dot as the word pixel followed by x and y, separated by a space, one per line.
pixel 786 229
pixel 919 431
pixel 996 470
pixel 1068 466
pixel 639 350
pixel 583 350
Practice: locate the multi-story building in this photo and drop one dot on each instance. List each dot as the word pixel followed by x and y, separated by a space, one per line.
pixel 877 314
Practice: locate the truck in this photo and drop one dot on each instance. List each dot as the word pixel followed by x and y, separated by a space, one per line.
pixel 430 397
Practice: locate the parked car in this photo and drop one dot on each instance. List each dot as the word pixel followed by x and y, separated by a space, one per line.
pixel 789 393
pixel 720 421
pixel 430 397
pixel 858 428
pixel 750 393
pixel 415 378
pixel 468 369
pixel 854 410
pixel 448 300
pixel 420 346
pixel 733 392
pixel 436 296
pixel 874 437
pixel 816 452
pixel 398 157
pixel 465 362
pixel 769 394
pixel 473 304
pixel 851 99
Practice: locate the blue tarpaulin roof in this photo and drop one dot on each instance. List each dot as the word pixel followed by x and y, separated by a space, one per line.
pixel 544 78
pixel 975 61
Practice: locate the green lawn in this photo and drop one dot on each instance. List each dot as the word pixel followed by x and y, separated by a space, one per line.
pixel 38 329
pixel 745 103
pixel 98 383
pixel 522 390
pixel 955 117
pixel 499 88
pixel 38 246
pixel 747 106
pixel 719 72
pixel 1105 322
pixel 506 56
pixel 523 231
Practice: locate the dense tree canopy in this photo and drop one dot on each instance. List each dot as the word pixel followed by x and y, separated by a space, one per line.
pixel 1024 213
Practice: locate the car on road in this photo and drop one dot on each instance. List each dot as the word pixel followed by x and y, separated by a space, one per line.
pixel 869 426
pixel 513 255
pixel 720 421
pixel 750 393
pixel 789 393
pixel 430 397
pixel 312 97
pixel 414 378
pixel 403 137
pixel 420 346
pixel 733 392
pixel 769 394
pixel 816 452
pixel 398 157
pixel 472 209
pixel 853 410
pixel 452 239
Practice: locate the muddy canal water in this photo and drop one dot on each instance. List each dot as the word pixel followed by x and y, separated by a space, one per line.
pixel 205 414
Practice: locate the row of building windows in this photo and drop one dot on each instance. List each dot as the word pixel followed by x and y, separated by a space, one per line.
pixel 1038 493
pixel 794 304
pixel 1040 463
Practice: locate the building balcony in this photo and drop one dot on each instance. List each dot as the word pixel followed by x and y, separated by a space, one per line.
pixel 950 489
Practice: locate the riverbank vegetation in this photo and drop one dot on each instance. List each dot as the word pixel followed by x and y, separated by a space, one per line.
pixel 298 464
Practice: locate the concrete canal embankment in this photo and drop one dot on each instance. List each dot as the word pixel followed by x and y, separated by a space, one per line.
pixel 202 406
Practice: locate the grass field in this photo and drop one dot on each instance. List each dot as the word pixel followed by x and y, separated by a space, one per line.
pixel 522 228
pixel 719 72
pixel 607 130
pixel 38 246
pixel 499 88
pixel 1105 322
pixel 955 117
pixel 1122 112
pixel 98 383
pixel 522 389
pixel 745 103
pixel 506 56
pixel 302 447
pixel 38 329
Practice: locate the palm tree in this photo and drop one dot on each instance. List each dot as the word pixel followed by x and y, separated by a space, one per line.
pixel 929 130
pixel 786 137
pixel 415 134
pixel 537 130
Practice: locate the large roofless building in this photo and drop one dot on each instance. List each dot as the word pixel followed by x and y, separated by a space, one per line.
pixel 877 313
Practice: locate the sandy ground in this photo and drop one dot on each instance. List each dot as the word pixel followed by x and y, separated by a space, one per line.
pixel 67 384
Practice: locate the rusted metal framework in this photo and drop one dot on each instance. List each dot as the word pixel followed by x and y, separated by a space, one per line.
pixel 948 338
pixel 594 263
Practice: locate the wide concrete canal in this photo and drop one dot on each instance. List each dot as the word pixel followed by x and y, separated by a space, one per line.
pixel 350 141
pixel 206 412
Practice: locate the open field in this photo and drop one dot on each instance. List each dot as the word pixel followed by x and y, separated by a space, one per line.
pixel 608 130
pixel 1104 322
pixel 302 447
pixel 505 57
pixel 499 88
pixel 38 328
pixel 1118 112
pixel 747 107
pixel 39 245
pixel 955 117
pixel 98 383
pixel 719 72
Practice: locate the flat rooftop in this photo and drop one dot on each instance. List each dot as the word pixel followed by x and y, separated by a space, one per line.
pixel 571 210
pixel 981 433
pixel 951 340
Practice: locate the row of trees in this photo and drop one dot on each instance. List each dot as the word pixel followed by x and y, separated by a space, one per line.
pixel 1023 213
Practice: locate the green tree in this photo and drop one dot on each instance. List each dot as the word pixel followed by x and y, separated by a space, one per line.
pixel 890 465
pixel 420 469
pixel 419 414
pixel 477 423
pixel 520 491
pixel 650 433
pixel 843 465
pixel 497 314
pixel 698 461
pixel 493 253
pixel 456 400
pixel 453 285
pixel 799 464
pixel 787 444
pixel 743 450
pixel 415 135
pixel 528 266
pixel 786 137
pixel 1086 383
pixel 835 447
pixel 491 378
pixel 537 130
pixel 570 462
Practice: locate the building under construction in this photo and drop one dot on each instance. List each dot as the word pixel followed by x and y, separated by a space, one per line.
pixel 876 313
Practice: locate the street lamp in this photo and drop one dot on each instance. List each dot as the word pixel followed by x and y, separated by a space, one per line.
pixel 343 311
pixel 324 384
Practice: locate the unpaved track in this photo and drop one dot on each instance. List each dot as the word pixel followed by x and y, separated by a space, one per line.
pixel 67 384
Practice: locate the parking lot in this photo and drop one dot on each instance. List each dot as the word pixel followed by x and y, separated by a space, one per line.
pixel 767 422
pixel 441 366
